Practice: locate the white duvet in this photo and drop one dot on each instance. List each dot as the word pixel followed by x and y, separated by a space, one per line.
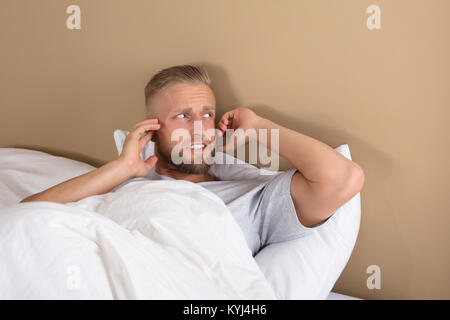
pixel 147 240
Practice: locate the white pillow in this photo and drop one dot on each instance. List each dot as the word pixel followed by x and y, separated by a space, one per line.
pixel 308 267
pixel 24 172
pixel 304 268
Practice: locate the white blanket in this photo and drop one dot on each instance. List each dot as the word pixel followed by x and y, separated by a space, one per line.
pixel 147 240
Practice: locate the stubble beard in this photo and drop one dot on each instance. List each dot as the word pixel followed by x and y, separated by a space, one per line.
pixel 187 168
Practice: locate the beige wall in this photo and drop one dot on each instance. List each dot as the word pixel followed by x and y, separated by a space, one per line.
pixel 312 66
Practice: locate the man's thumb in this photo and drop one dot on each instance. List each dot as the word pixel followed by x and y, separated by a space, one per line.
pixel 151 161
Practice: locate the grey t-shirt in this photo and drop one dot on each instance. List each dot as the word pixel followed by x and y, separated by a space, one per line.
pixel 261 204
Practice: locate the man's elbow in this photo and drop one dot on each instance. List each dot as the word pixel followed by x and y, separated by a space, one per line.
pixel 354 181
pixel 335 194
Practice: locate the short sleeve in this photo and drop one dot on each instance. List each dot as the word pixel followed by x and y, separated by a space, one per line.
pixel 279 221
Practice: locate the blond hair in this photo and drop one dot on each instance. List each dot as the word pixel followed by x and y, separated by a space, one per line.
pixel 171 76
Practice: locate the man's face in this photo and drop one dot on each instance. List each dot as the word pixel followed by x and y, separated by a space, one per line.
pixel 183 106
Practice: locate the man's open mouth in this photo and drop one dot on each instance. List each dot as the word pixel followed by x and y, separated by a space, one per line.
pixel 197 146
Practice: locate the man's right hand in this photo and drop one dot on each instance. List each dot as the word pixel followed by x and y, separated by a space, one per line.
pixel 134 143
pixel 104 179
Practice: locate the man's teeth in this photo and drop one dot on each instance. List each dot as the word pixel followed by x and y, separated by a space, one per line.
pixel 197 146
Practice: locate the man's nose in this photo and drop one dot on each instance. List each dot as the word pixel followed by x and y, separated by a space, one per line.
pixel 201 126
pixel 195 128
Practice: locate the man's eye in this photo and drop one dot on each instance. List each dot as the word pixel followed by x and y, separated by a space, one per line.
pixel 181 116
pixel 209 115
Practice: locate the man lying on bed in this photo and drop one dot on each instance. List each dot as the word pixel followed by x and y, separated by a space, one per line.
pixel 280 208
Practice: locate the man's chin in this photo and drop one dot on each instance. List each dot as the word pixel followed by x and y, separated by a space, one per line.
pixel 193 168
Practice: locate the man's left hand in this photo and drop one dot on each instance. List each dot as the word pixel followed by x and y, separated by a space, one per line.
pixel 240 118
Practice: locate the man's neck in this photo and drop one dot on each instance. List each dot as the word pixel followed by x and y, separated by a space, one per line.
pixel 201 177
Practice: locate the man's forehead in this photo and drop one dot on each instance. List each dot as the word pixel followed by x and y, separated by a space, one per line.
pixel 188 109
pixel 186 97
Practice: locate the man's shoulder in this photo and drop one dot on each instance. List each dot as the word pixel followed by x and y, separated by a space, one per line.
pixel 227 167
pixel 227 172
pixel 239 172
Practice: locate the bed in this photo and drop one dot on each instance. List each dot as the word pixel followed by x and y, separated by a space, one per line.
pixel 110 247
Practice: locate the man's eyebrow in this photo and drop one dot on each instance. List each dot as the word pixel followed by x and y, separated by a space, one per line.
pixel 189 109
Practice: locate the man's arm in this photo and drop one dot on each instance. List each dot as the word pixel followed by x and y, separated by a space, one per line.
pixel 325 180
pixel 108 176
pixel 98 181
